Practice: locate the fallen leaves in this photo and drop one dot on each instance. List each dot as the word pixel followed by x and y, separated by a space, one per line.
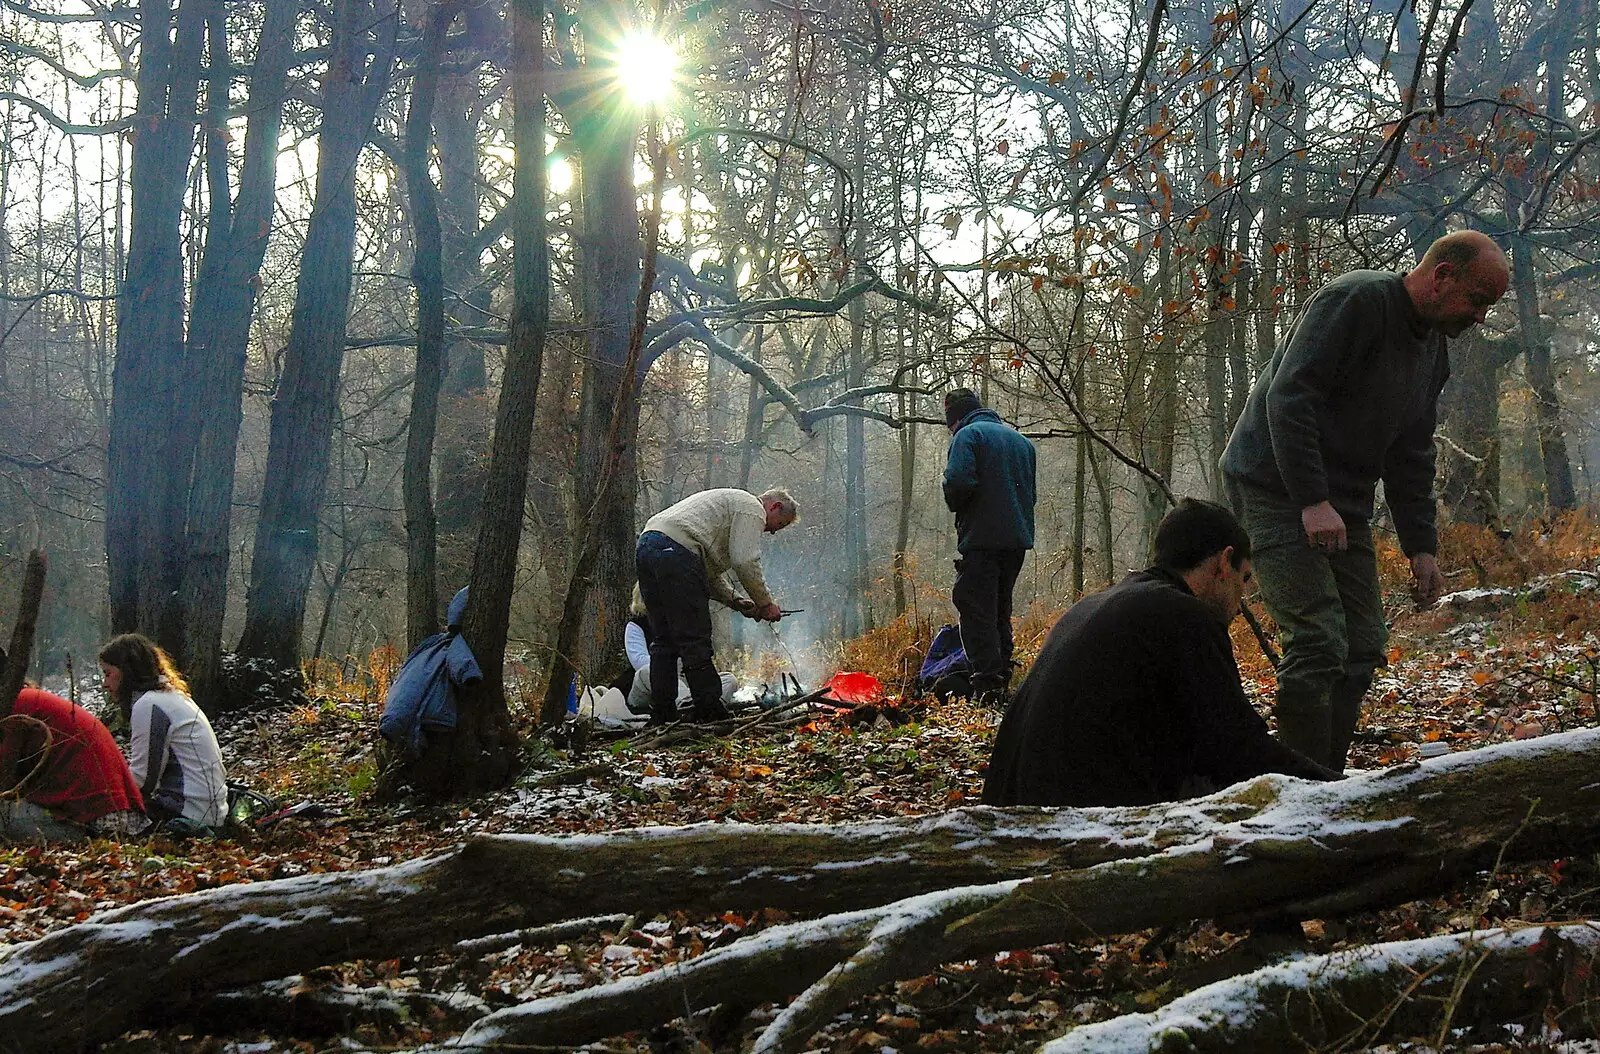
pixel 1455 679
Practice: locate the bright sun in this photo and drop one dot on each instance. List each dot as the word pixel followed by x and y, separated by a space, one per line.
pixel 647 67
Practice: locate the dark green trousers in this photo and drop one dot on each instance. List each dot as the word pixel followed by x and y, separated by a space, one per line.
pixel 1329 612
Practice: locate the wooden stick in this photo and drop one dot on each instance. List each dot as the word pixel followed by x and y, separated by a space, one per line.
pixel 1261 636
pixel 16 670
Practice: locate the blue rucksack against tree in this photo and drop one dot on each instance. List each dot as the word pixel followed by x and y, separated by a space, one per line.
pixel 945 672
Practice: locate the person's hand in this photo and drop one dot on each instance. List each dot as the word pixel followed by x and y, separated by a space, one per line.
pixel 745 606
pixel 1427 581
pixel 767 613
pixel 1324 527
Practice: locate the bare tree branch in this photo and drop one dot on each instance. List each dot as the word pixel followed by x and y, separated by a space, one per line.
pixel 60 123
pixel 125 15
pixel 1152 39
pixel 86 80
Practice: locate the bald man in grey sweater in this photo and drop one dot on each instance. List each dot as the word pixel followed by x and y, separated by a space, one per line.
pixel 1350 398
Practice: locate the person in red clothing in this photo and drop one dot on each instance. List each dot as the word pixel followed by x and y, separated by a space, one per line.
pixel 69 778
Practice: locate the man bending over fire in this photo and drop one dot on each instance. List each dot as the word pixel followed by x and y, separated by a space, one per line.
pixel 684 554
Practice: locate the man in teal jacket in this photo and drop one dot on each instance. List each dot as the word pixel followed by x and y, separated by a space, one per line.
pixel 989 485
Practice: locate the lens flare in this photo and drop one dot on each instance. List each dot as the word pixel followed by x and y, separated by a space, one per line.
pixel 647 68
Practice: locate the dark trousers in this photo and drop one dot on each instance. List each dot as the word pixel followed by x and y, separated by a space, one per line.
pixel 982 596
pixel 677 597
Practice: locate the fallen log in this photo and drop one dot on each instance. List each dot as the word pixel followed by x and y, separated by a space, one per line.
pixel 764 967
pixel 1273 845
pixel 1424 989
pixel 298 1006
pixel 89 982
pixel 1316 849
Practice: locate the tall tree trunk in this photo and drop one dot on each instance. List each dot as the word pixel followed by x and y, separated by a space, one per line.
pixel 481 752
pixel 1103 523
pixel 144 541
pixel 427 271
pixel 1160 425
pixel 1239 373
pixel 596 605
pixel 1558 490
pixel 219 335
pixel 1220 276
pixel 303 409
pixel 1469 427
pixel 462 446
pixel 855 438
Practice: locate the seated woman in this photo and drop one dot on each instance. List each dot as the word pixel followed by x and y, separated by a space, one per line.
pixel 71 779
pixel 636 642
pixel 174 755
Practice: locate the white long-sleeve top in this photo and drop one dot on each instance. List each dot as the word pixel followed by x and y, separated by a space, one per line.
pixel 724 527
pixel 175 759
pixel 634 643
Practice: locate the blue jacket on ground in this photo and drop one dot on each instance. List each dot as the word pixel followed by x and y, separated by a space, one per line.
pixel 989 483
pixel 422 697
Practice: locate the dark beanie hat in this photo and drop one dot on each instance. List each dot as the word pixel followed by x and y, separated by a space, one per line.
pixel 958 404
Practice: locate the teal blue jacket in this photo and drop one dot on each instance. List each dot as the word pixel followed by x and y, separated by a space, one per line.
pixel 989 483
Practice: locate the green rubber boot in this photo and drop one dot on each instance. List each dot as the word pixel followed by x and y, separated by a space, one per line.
pixel 1305 723
pixel 1344 704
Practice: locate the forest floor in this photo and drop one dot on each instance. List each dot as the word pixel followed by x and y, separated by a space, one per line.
pixel 1486 666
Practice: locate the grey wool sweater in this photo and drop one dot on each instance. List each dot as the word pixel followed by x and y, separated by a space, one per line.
pixel 1350 397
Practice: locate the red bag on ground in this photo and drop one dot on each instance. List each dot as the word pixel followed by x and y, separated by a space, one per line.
pixel 852 687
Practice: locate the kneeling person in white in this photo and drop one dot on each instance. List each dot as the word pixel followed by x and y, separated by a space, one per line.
pixel 174 755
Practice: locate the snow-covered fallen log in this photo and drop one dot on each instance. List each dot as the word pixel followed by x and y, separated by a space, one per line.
pixel 847 949
pixel 1422 989
pixel 1272 846
pixel 1311 849
pixel 88 982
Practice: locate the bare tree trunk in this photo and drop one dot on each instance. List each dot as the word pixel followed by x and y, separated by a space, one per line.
pixel 1080 472
pixel 855 438
pixel 1160 425
pixel 480 753
pixel 144 543
pixel 1558 490
pixel 219 335
pixel 1469 427
pixel 303 409
pixel 596 606
pixel 427 271
pixel 14 675
pixel 462 446
pixel 1107 537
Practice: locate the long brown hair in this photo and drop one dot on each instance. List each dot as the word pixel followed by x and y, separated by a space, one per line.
pixel 145 667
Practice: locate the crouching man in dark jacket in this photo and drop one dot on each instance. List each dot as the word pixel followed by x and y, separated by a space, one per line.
pixel 989 485
pixel 1135 697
